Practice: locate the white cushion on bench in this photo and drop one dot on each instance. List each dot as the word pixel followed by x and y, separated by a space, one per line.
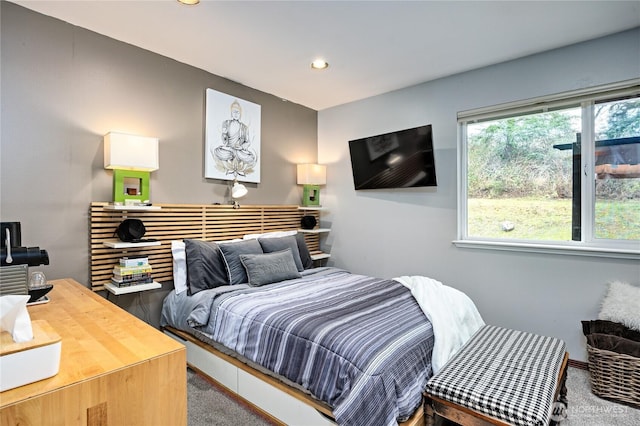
pixel 508 374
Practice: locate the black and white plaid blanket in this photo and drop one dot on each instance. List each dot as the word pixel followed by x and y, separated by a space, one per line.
pixel 508 374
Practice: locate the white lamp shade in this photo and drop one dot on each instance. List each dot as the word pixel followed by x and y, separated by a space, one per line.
pixel 312 174
pixel 130 152
pixel 238 190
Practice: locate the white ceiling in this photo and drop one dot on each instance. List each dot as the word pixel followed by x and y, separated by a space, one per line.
pixel 373 47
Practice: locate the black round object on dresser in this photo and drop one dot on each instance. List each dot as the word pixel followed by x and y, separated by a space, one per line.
pixel 308 222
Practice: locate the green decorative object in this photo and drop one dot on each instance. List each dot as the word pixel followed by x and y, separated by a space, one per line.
pixel 311 195
pixel 130 185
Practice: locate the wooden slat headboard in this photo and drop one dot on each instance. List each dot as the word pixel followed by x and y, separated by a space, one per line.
pixel 179 221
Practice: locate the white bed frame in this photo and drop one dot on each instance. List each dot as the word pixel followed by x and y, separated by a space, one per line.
pixel 265 393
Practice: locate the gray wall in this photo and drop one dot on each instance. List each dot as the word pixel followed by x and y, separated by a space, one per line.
pixel 64 87
pixel 389 233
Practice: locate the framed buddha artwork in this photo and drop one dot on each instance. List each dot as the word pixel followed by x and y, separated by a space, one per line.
pixel 232 138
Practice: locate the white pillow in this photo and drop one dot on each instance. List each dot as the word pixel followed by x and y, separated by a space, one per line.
pixel 274 234
pixel 622 305
pixel 179 254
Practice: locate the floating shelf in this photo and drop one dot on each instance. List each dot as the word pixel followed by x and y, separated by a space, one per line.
pixel 117 244
pixel 131 208
pixel 311 208
pixel 314 231
pixel 320 256
pixel 112 288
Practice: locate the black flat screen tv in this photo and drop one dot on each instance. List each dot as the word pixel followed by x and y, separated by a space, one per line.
pixel 400 159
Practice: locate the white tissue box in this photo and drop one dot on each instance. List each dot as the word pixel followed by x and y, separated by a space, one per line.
pixel 28 362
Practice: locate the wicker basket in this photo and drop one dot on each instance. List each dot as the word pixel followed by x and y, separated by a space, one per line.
pixel 614 376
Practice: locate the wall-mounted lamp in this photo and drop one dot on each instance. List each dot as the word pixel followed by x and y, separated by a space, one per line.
pixel 131 158
pixel 238 191
pixel 311 176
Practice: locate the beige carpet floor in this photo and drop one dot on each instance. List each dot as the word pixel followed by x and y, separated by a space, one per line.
pixel 586 409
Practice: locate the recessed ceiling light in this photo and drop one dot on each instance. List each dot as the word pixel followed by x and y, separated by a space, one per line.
pixel 319 64
pixel 189 2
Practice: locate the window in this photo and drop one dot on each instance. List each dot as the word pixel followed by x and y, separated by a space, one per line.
pixel 560 173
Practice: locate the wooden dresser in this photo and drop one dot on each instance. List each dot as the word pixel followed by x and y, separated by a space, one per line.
pixel 114 370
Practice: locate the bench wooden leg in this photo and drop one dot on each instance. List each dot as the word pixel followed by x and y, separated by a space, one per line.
pixel 429 413
pixel 561 402
pixel 563 390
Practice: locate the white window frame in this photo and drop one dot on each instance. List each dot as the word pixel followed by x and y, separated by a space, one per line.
pixel 588 246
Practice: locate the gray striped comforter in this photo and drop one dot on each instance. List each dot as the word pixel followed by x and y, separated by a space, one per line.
pixel 358 343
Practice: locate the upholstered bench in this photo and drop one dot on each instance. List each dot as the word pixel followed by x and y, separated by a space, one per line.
pixel 501 377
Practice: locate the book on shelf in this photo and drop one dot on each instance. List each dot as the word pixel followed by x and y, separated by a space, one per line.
pixel 132 277
pixel 129 270
pixel 133 261
pixel 133 282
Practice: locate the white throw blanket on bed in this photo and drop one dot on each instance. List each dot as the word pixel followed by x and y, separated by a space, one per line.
pixel 452 313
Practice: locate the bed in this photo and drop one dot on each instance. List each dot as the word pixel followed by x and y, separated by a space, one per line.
pixel 295 396
pixel 357 345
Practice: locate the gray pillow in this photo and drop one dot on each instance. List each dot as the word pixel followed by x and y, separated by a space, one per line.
pixel 205 266
pixel 270 267
pixel 305 256
pixel 231 255
pixel 269 245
